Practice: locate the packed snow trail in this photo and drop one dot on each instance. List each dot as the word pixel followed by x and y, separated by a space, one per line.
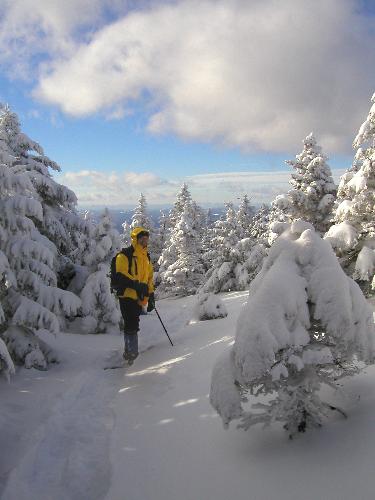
pixel 55 426
pixel 148 432
pixel 65 455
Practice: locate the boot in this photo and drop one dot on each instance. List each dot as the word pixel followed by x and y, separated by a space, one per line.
pixel 131 347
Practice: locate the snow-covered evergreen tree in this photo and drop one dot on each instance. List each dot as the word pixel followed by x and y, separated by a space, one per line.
pixel 306 324
pixel 99 306
pixel 183 198
pixel 232 262
pixel 125 235
pixel 160 236
pixel 353 234
pixel 260 224
pixel 245 215
pixel 169 252
pixel 221 239
pixel 140 217
pixel 242 263
pixel 30 260
pixel 313 191
pixel 185 274
pixel 60 223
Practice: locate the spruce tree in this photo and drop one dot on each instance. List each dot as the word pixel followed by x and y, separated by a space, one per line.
pixel 305 325
pixel 99 306
pixel 234 259
pixel 169 252
pixel 30 251
pixel 313 191
pixel 180 264
pixel 245 215
pixel 184 276
pixel 353 234
pixel 141 218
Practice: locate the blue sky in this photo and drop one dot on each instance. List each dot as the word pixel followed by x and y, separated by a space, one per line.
pixel 141 96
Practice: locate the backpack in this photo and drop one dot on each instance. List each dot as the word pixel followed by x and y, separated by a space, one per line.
pixel 118 282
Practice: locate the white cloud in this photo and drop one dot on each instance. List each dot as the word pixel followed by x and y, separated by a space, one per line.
pixel 113 189
pixel 258 74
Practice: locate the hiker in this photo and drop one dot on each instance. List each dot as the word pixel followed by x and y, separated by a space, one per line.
pixel 139 291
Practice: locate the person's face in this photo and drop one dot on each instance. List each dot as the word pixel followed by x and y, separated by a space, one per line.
pixel 143 241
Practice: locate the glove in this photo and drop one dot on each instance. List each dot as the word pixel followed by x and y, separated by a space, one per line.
pixel 151 302
pixel 141 289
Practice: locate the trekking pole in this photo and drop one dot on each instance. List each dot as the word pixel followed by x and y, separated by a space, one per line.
pixel 163 326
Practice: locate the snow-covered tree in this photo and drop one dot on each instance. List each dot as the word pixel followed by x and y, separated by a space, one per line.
pixel 30 251
pixel 99 306
pixel 245 215
pixel 313 191
pixel 60 221
pixel 306 324
pixel 185 274
pixel 183 198
pixel 242 263
pixel 159 239
pixel 169 253
pixel 260 224
pixel 140 217
pixel 105 240
pixel 232 262
pixel 220 239
pixel 125 235
pixel 353 234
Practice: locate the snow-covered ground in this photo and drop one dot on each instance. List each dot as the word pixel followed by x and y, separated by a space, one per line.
pixel 148 431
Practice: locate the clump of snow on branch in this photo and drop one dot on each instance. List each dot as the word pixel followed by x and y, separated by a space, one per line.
pixel 27 349
pixel 305 324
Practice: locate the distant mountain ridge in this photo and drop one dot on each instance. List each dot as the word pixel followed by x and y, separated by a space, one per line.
pixel 120 215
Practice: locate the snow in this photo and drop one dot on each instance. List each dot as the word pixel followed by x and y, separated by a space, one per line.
pixel 365 264
pixel 342 236
pixel 149 432
pixel 209 306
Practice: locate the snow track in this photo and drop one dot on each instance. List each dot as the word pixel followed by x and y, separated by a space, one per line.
pixel 69 455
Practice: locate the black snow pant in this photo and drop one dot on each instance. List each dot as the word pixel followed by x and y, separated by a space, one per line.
pixel 130 311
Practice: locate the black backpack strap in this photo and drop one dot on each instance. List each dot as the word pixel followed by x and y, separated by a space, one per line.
pixel 129 252
pixel 123 281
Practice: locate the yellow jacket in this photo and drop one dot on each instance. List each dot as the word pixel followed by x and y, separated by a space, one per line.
pixel 141 268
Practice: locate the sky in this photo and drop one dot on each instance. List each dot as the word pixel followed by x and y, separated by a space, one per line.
pixel 139 96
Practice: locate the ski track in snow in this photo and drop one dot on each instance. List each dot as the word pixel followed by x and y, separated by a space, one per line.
pixel 148 432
